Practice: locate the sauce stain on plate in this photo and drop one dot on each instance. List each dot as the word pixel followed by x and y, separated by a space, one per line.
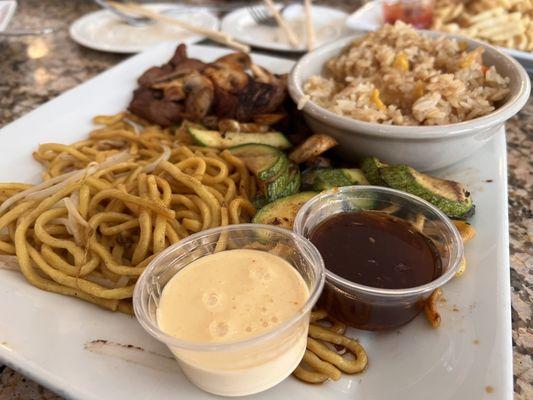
pixel 133 354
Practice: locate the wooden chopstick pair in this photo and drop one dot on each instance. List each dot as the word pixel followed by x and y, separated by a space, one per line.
pixel 291 36
pixel 217 36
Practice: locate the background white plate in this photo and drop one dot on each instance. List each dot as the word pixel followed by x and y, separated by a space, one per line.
pixel 370 17
pixel 44 335
pixel 328 24
pixel 104 31
pixel 7 10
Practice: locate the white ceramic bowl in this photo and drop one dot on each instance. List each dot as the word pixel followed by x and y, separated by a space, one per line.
pixel 422 147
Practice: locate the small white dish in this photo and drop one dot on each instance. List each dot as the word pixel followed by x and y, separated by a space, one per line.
pixel 370 17
pixel 329 25
pixel 7 10
pixel 102 30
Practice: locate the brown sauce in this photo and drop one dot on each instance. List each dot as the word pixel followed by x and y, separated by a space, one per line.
pixel 378 250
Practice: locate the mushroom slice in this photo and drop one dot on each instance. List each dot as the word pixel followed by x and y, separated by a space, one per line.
pixel 172 90
pixel 268 119
pixel 312 147
pixel 200 94
pixel 231 125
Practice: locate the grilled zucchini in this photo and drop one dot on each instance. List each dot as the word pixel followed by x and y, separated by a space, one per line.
pixel 327 178
pixel 451 197
pixel 282 212
pixel 226 140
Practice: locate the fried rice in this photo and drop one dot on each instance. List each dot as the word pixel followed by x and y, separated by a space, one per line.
pixel 397 76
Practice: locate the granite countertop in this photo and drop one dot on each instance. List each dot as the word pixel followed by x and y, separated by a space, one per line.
pixel 36 69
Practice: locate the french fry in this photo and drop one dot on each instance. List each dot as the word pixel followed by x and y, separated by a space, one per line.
pixel 507 23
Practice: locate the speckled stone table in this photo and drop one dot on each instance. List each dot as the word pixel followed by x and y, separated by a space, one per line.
pixel 36 69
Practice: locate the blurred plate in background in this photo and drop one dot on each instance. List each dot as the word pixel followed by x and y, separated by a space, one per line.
pixel 329 25
pixel 218 5
pixel 101 30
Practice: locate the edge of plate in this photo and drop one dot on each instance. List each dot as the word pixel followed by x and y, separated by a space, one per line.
pixel 506 274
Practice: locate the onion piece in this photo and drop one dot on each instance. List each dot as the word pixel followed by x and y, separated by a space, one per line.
pixel 71 228
pixel 163 157
pixel 75 198
pixel 59 221
pixel 123 281
pixel 111 143
pixel 41 194
pixel 76 221
pixel 9 262
pixel 55 184
pixel 74 214
pixel 21 195
pixel 100 280
pixel 66 157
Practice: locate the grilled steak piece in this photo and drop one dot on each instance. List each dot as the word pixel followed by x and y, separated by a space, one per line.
pixel 148 104
pixel 186 88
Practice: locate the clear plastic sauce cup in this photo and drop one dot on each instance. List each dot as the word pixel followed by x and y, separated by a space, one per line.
pixel 248 366
pixel 372 308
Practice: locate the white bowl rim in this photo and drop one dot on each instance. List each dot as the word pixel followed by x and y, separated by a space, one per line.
pixel 512 106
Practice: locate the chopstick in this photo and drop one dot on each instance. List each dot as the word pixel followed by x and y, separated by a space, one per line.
pixel 212 34
pixel 293 40
pixel 310 30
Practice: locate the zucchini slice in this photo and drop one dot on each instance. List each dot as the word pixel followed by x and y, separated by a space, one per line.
pixel 285 184
pixel 218 140
pixel 265 162
pixel 278 177
pixel 327 178
pixel 282 212
pixel 451 197
pixel 294 183
pixel 371 169
pixel 356 176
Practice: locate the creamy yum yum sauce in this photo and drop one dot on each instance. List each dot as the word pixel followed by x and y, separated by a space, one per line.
pixel 232 296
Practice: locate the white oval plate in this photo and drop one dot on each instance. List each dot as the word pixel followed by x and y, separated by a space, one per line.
pixel 101 30
pixel 329 25
pixel 370 17
pixel 81 351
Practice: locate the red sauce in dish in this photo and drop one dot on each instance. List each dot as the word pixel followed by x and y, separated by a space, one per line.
pixel 417 13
